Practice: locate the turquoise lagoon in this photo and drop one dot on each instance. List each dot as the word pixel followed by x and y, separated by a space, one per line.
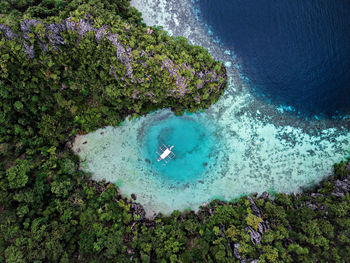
pixel 221 152
pixel 238 146
pixel 193 141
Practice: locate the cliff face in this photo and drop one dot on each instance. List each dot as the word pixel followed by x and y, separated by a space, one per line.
pixel 181 74
pixel 52 35
pixel 99 69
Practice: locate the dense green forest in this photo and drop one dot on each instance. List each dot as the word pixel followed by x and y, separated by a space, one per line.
pixel 70 67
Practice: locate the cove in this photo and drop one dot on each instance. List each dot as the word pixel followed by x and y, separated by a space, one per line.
pixel 217 156
pixel 295 53
pixel 238 146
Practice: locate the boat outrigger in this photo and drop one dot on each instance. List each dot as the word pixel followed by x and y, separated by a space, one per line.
pixel 166 154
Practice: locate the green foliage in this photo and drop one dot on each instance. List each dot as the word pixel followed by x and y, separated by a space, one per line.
pixel 51 212
pixel 270 254
pixel 61 188
pixel 14 255
pixel 18 106
pixel 62 8
pixel 253 221
pixel 341 169
pixel 17 175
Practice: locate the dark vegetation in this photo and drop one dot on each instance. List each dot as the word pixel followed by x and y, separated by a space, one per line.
pixel 58 79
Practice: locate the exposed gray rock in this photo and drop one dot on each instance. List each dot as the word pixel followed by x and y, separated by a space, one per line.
pixel 29 50
pixel 341 187
pixel 235 251
pixel 265 195
pixel 53 33
pixel 83 27
pixel 7 31
pixel 137 210
pixel 122 54
pixel 212 210
pixel 255 209
pixel 101 32
pixel 26 27
pixel 222 229
pixel 310 205
pixel 315 195
pixel 70 24
pixel 263 226
pixel 338 194
pixel 255 236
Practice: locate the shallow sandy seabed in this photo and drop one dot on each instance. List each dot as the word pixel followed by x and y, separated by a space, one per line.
pixel 257 148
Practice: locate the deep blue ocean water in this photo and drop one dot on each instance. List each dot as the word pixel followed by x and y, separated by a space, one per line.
pixel 294 52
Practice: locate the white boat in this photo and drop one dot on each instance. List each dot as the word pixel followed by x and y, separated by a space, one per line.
pixel 166 154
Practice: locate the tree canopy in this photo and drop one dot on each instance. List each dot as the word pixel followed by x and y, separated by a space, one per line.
pixel 70 67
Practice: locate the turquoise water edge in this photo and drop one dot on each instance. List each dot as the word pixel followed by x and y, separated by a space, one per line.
pixel 217 155
pixel 238 146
